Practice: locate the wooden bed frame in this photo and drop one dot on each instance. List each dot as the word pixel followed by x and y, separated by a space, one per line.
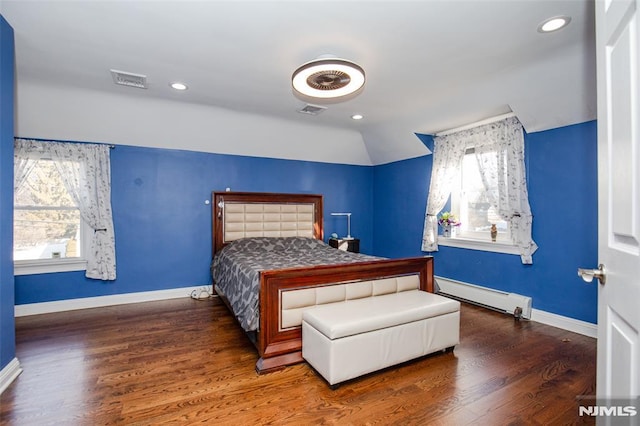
pixel 278 346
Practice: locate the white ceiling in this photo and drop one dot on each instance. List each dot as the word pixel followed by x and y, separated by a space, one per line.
pixel 430 65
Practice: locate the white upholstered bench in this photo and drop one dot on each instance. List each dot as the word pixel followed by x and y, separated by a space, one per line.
pixel 347 339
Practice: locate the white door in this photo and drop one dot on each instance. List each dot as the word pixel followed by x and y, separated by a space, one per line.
pixel 618 44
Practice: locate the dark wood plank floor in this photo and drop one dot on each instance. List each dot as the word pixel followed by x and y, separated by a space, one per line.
pixel 185 361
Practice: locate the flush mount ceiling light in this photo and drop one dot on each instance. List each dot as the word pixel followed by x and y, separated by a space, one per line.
pixel 328 79
pixel 554 24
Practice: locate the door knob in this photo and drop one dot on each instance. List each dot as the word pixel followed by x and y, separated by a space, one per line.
pixel 588 274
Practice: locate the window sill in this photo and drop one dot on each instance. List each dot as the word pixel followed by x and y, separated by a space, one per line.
pixel 30 267
pixel 497 247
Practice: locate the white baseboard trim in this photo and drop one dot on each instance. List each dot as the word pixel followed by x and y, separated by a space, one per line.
pixel 9 374
pixel 496 299
pixel 101 301
pixel 565 323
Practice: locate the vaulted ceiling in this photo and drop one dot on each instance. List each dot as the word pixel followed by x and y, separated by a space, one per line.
pixel 430 65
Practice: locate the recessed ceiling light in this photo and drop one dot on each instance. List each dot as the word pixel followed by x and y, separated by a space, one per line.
pixel 179 86
pixel 554 24
pixel 328 79
pixel 357 116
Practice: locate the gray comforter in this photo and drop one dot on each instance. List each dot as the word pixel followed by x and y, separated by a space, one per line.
pixel 236 268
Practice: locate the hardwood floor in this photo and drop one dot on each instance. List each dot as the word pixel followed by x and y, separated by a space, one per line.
pixel 184 361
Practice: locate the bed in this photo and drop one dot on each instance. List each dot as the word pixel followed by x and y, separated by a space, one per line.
pixel 270 264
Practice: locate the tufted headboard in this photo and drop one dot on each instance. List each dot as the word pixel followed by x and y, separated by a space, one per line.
pixel 261 214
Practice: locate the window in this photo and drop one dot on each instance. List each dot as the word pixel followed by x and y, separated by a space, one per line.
pixel 471 203
pixel 62 209
pixel 481 170
pixel 47 223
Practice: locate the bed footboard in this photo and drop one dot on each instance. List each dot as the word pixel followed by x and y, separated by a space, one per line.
pixel 279 340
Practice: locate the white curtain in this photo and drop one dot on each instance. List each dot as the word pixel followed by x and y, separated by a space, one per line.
pixel 499 151
pixel 89 186
pixel 24 161
pixel 447 155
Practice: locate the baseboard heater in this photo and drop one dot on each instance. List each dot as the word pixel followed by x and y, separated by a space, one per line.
pixel 511 303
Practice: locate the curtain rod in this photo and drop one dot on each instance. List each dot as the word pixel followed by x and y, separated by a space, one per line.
pixel 476 124
pixel 57 140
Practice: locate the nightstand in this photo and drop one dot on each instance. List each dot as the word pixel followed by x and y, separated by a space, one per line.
pixel 352 245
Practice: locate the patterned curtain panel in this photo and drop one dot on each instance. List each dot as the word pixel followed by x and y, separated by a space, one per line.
pixel 89 186
pixel 499 151
pixel 447 155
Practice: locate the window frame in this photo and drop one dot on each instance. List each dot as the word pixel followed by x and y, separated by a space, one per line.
pixel 52 265
pixel 63 264
pixel 465 243
pixel 470 239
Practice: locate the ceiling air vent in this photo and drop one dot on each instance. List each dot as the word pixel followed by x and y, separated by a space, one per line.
pixel 129 79
pixel 312 109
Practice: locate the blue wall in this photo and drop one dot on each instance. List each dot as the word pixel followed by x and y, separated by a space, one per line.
pixel 7 322
pixel 399 204
pixel 163 226
pixel 562 183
